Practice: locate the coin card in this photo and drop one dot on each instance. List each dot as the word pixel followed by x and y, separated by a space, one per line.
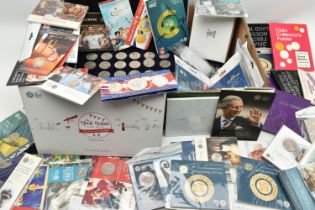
pixel 94 34
pixel 286 149
pixel 188 150
pixel 112 169
pixel 117 16
pixel 109 194
pixel 138 84
pixel 146 186
pixel 50 52
pixel 33 195
pixel 15 136
pixel 75 85
pixel 140 34
pixel 258 184
pixel 59 13
pixel 7 166
pixel 110 185
pixel 219 149
pixel 54 158
pixel 65 180
pixel 14 185
pixel 198 184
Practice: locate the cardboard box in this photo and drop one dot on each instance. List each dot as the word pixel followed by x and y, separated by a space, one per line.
pixel 117 128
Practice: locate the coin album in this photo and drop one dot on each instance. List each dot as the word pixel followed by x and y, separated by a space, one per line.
pixel 258 184
pixel 198 184
pixel 124 62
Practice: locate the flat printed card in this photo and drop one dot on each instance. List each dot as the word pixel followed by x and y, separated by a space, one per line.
pixel 14 185
pixel 168 23
pixel 117 16
pixel 75 85
pixel 140 33
pixel 286 149
pixel 291 46
pixel 58 13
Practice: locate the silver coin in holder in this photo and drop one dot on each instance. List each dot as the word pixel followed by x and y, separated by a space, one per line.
pixel 104 65
pixel 91 56
pixel 90 65
pixel 146 179
pixel 164 56
pixel 82 172
pixel 106 56
pixel 134 55
pixel 108 168
pixel 134 72
pixel 119 73
pixel 150 55
pixel 165 63
pixel 104 74
pixel 121 56
pixel 147 71
pixel 120 64
pixel 134 64
pixel 148 63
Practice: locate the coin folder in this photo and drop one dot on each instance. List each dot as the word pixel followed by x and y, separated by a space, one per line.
pixel 125 62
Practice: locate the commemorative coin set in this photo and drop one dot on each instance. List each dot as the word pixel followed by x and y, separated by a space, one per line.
pixel 125 62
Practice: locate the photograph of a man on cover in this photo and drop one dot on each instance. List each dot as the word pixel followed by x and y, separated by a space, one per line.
pixel 241 114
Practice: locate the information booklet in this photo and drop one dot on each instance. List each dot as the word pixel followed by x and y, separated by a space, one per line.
pixel 75 85
pixel 58 13
pixel 291 46
pixel 168 23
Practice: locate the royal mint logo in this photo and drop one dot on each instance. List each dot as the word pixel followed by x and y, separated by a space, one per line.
pixel 210 33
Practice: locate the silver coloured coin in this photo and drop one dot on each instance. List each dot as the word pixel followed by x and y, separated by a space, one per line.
pixel 146 179
pixel 82 172
pixel 104 65
pixel 90 65
pixel 147 71
pixel 134 72
pixel 91 56
pixel 164 56
pixel 134 55
pixel 148 63
pixel 108 168
pixel 104 74
pixel 134 64
pixel 150 55
pixel 119 73
pixel 121 56
pixel 165 63
pixel 120 64
pixel 106 56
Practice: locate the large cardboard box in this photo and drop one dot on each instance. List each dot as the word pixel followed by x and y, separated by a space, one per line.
pixel 118 128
